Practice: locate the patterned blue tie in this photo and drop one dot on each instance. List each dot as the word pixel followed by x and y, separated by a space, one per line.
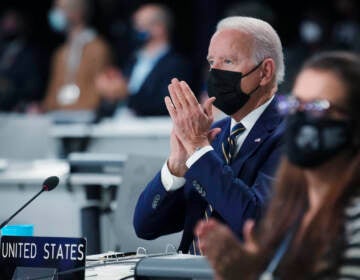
pixel 228 148
pixel 194 249
pixel 229 145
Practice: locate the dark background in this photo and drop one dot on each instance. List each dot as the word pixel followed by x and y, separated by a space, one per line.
pixel 195 21
pixel 191 17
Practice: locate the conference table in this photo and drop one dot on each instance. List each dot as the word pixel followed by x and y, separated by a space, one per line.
pixel 40 136
pixel 115 137
pixel 142 266
pixel 149 136
pixel 143 136
pixel 67 203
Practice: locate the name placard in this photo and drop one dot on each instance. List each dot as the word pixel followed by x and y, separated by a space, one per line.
pixel 58 253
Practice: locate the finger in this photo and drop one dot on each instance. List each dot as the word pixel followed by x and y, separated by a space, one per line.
pixel 212 133
pixel 175 135
pixel 199 228
pixel 205 227
pixel 178 91
pixel 217 276
pixel 189 95
pixel 170 107
pixel 178 138
pixel 208 107
pixel 249 238
pixel 112 73
pixel 174 97
pixel 248 230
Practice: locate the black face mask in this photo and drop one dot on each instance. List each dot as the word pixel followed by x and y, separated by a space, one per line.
pixel 225 86
pixel 310 142
pixel 140 38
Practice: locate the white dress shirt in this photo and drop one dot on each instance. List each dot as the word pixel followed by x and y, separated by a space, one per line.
pixel 145 63
pixel 172 182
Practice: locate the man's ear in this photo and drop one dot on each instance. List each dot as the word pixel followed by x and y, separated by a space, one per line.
pixel 267 72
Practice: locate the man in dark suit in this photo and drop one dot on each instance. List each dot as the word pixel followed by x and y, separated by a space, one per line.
pixel 231 178
pixel 148 98
pixel 21 85
pixel 143 82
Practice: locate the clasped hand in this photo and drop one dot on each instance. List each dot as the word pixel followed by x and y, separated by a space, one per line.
pixel 191 124
pixel 191 121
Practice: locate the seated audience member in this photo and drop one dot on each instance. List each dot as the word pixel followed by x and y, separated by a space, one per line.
pixel 144 80
pixel 20 82
pixel 311 230
pixel 77 62
pixel 230 178
pixel 345 31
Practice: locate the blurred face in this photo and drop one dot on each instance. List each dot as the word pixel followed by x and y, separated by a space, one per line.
pixel 11 25
pixel 142 19
pixel 318 127
pixel 312 85
pixel 62 5
pixel 145 19
pixel 71 8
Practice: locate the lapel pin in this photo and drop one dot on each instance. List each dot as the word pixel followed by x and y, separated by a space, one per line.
pixel 257 140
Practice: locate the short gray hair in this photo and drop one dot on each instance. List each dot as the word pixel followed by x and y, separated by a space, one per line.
pixel 267 43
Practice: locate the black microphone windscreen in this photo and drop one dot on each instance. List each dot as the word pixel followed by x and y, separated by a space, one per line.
pixel 50 183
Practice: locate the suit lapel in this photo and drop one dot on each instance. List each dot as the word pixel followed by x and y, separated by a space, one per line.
pixel 225 131
pixel 262 129
pixel 154 71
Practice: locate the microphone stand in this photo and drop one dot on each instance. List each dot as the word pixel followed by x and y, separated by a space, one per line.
pixel 17 212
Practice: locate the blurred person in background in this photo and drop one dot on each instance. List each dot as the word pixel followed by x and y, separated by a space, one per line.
pixel 256 9
pixel 346 29
pixel 313 36
pixel 20 82
pixel 311 229
pixel 143 83
pixel 76 63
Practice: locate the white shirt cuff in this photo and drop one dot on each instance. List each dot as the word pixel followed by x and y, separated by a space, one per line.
pixel 197 155
pixel 170 181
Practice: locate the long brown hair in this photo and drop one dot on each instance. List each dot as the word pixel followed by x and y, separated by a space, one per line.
pixel 323 239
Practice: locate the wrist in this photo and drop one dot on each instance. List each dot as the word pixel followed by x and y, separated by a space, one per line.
pixel 176 167
pixel 196 147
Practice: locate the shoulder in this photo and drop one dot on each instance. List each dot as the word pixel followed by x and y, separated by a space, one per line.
pixel 100 42
pixel 173 57
pixel 60 50
pixel 97 45
pixel 275 121
pixel 59 53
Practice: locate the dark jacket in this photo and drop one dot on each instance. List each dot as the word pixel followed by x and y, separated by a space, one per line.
pixel 237 192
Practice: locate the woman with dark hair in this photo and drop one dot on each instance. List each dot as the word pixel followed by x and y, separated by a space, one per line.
pixel 312 227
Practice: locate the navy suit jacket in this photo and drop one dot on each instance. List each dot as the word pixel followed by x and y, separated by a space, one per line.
pixel 237 192
pixel 149 100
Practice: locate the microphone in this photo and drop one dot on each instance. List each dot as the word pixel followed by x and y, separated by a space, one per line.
pixel 49 184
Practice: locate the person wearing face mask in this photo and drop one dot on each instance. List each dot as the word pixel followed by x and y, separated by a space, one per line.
pixel 311 37
pixel 141 85
pixel 222 170
pixel 20 82
pixel 76 63
pixel 311 229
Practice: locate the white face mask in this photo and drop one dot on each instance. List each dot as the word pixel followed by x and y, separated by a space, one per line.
pixel 310 31
pixel 57 20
